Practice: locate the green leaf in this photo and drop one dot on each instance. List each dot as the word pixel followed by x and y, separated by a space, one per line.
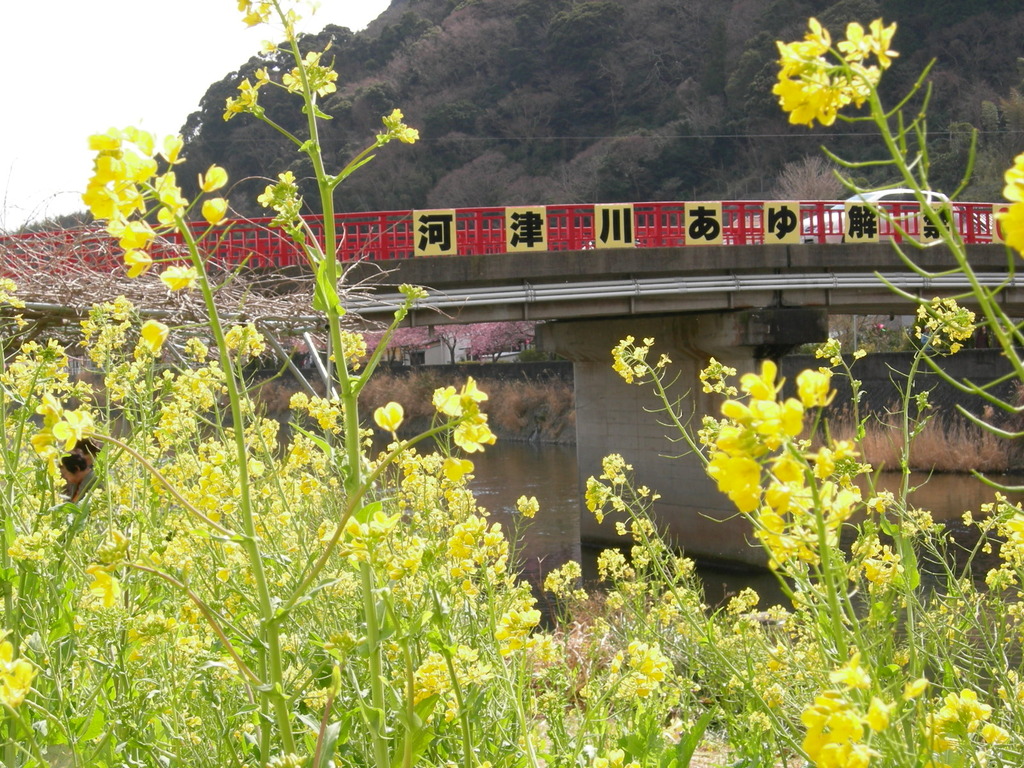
pixel 349 169
pixel 363 515
pixel 329 740
pixel 93 727
pixel 881 613
pixel 322 444
pixel 325 297
pixel 418 733
pixel 908 558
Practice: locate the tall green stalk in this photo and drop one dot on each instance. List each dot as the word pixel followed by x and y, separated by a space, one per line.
pixel 273 700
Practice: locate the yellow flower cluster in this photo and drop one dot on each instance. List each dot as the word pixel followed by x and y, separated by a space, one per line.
pixel 811 88
pixel 362 538
pixel 942 325
pixel 837 727
pixel 785 502
pixel 880 565
pixel 39 368
pixel 528 507
pixel 36 546
pixel 150 626
pixel 564 582
pixel 640 671
pixel 629 360
pixel 124 185
pixel 713 378
pixel 321 79
pixel 958 719
pixel 245 341
pixel 283 198
pixel 1009 523
pixel 326 411
pixel 61 429
pixel 476 552
pixel 600 496
pixel 434 678
pixel 612 565
pixel 471 433
pixel 395 128
pixel 514 627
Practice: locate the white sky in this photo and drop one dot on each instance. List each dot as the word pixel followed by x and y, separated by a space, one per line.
pixel 78 67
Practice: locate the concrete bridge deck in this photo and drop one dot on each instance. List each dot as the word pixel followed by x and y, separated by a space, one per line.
pixel 841 278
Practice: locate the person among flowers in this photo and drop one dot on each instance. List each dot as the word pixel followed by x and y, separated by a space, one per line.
pixel 76 467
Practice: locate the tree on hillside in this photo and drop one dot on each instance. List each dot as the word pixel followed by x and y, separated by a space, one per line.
pixel 560 101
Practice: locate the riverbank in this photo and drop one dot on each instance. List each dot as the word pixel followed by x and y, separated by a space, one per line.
pixel 534 402
pixel 527 402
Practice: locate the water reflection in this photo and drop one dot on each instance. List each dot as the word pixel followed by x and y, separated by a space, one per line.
pixel 508 470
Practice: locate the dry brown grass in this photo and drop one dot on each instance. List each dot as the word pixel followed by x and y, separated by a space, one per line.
pixel 944 445
pixel 517 410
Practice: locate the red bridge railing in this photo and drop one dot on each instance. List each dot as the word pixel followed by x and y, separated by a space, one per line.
pixel 390 235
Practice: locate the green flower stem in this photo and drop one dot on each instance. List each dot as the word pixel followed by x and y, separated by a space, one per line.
pixel 7 534
pixel 915 668
pixel 13 717
pixel 410 706
pixel 464 722
pixel 376 722
pixel 350 508
pixel 954 244
pixel 828 572
pixel 332 307
pixel 272 695
pixel 252 680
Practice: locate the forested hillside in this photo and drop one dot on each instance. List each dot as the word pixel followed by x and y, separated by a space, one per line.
pixel 540 101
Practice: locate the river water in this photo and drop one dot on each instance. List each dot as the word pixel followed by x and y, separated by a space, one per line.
pixel 508 470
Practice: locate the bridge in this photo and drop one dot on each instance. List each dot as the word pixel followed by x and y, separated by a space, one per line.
pixel 722 279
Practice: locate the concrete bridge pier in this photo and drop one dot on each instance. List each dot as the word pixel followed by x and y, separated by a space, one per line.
pixel 615 417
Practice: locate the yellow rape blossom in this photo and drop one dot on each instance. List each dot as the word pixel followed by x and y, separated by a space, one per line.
pixel 812 87
pixel 942 325
pixel 105 588
pixel 137 261
pixel 179 278
pixel 915 688
pixel 71 426
pixel 642 670
pixel 473 434
pixel 16 676
pixel 321 79
pixel 813 388
pixel 851 675
pixel 527 507
pixel 397 129
pixel 455 469
pixel 152 336
pixel 1012 219
pixel 514 628
pixel 214 210
pixel 214 178
pixel 389 417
